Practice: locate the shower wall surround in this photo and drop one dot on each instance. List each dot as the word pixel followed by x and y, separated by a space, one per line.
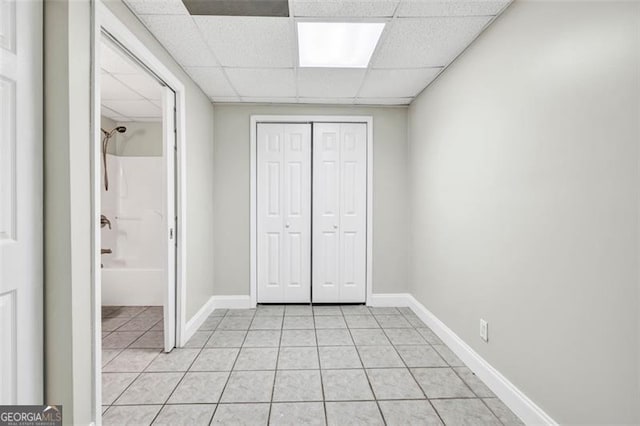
pixel 132 273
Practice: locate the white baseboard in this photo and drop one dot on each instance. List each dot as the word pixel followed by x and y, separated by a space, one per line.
pixel 513 397
pixel 196 321
pixel 214 302
pixel 232 302
pixel 384 300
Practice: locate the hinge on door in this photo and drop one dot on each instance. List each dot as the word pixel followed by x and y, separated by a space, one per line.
pixel 175 226
pixel 175 138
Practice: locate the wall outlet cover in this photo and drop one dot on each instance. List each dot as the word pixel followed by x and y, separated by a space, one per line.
pixel 484 330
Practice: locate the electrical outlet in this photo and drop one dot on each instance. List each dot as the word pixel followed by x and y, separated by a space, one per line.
pixel 484 330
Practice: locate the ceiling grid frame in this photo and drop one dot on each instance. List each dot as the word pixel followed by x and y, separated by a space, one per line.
pixel 402 9
pixel 224 72
pixel 383 36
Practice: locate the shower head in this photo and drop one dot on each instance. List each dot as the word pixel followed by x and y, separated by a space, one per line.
pixel 105 145
pixel 119 129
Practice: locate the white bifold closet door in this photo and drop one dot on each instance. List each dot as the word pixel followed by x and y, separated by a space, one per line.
pixel 284 213
pixel 339 212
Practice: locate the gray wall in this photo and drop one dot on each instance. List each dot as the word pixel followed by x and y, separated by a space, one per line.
pixel 67 214
pixel 524 187
pixel 231 183
pixel 199 158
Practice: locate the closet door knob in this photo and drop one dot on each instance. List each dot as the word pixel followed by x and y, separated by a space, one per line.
pixel 335 226
pixel 288 225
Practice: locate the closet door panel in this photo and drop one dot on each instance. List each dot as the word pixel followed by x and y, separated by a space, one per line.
pixel 326 212
pixel 270 217
pixel 284 213
pixel 353 211
pixel 339 212
pixel 297 213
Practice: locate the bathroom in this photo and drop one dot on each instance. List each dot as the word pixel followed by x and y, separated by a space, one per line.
pixel 133 207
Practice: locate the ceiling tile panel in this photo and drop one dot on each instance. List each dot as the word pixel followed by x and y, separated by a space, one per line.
pixel 143 84
pixel 113 89
pixel 182 38
pixel 253 42
pixel 426 42
pixel 157 7
pixel 329 82
pixel 397 83
pixel 270 100
pixel 328 101
pixel 212 81
pixel 342 8
pixel 274 82
pixel 134 108
pixel 383 101
pixel 221 99
pixel 419 8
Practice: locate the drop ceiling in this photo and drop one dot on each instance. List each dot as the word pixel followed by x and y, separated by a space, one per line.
pixel 255 59
pixel 128 93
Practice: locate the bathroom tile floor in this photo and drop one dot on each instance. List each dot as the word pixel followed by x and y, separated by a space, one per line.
pixel 290 365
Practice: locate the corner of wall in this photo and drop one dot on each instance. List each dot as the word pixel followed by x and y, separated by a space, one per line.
pixel 68 306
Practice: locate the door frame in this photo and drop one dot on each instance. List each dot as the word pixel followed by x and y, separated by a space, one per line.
pixel 297 119
pixel 105 21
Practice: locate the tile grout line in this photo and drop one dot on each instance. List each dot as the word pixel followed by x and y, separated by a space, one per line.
pixel 234 362
pixel 473 391
pixel 184 375
pixel 469 386
pixel 275 374
pixel 133 372
pixel 454 372
pixel 341 314
pixel 375 397
pixel 469 398
pixel 315 334
pixel 215 410
pixel 409 370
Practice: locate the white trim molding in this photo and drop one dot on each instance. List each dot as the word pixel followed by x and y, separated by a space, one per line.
pixel 214 302
pixel 384 300
pixel 514 398
pixel 232 302
pixel 255 119
pixel 196 321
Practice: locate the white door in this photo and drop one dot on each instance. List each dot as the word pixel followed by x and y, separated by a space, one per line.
pixel 339 212
pixel 169 147
pixel 21 263
pixel 284 213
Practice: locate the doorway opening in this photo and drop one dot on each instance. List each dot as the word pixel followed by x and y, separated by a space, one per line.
pixel 311 209
pixel 138 206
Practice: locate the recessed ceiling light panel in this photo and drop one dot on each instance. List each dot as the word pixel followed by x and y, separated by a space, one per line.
pixel 337 44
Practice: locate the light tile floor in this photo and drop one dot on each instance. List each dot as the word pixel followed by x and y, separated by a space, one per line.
pixel 290 365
